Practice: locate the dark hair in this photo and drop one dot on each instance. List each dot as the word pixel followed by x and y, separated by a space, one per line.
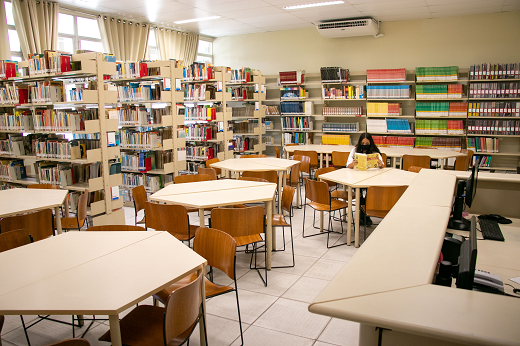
pixel 373 146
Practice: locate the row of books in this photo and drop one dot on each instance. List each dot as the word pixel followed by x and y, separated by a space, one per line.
pixel 242 144
pixel 441 109
pixel 386 75
pixel 269 140
pixel 128 69
pixel 201 92
pixel 494 109
pixel 242 75
pixel 8 69
pixel 145 161
pixel 132 139
pixel 383 109
pixel 63 120
pixel 340 127
pixel 347 92
pixel 452 143
pixel 198 71
pixel 65 174
pixel 8 94
pixel 433 74
pixel 394 141
pixel 246 110
pixel 441 91
pixel 199 132
pixel 291 77
pixel 203 153
pixel 494 90
pixel 294 93
pixel 49 62
pixel 439 127
pixel 357 111
pixel 151 183
pixel 334 75
pixel 494 127
pixel 296 137
pixel 269 125
pixel 245 126
pixel 483 144
pixel 139 115
pixel 485 161
pixel 272 110
pixel 388 91
pixel 305 108
pixel 55 148
pixel 335 139
pixel 200 113
pixel 388 126
pixel 11 170
pixel 45 92
pixel 494 71
pixel 241 93
pixel 139 91
pixel 304 124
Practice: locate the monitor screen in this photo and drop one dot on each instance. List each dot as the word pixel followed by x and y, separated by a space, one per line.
pixel 468 259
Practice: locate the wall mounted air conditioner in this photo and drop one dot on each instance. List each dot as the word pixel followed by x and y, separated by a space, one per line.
pixel 349 27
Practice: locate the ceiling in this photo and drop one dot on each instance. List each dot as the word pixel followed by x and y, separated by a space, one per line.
pixel 239 17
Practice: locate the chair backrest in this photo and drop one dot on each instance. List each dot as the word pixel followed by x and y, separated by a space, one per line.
pixel 209 171
pixel 270 176
pixel 72 342
pixel 277 152
pixel 415 160
pixel 324 170
pixel 43 186
pixel 172 218
pixel 287 198
pixel 253 179
pixel 210 161
pixel 82 207
pixel 340 158
pixel 182 309
pixel 468 152
pixel 295 173
pixel 383 156
pixel 310 153
pixel 1 325
pixel 305 163
pixel 252 156
pixel 317 191
pixel 113 228
pixel 139 196
pixel 238 222
pixel 38 224
pixel 462 163
pixel 13 239
pixel 414 169
pixel 383 198
pixel 191 178
pixel 218 248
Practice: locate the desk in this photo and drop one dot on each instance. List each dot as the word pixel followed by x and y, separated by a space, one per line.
pixel 18 201
pixel 395 290
pixel 355 179
pixel 92 273
pixel 224 192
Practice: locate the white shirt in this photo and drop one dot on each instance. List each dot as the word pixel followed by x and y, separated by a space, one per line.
pixel 352 156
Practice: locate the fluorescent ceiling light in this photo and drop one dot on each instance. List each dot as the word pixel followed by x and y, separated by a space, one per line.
pixel 197 19
pixel 295 7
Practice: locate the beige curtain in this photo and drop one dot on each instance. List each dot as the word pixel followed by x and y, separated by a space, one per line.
pixel 5 50
pixel 36 23
pixel 125 39
pixel 177 45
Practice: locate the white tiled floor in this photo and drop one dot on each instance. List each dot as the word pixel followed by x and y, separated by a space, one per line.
pixel 272 315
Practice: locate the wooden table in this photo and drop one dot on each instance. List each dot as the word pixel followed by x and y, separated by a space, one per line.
pixel 355 179
pixel 224 192
pixel 92 273
pixel 18 201
pixel 395 291
pixel 258 165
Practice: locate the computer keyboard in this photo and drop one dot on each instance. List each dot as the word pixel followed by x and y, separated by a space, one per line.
pixel 490 230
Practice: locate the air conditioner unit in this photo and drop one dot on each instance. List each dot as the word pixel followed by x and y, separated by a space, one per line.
pixel 349 28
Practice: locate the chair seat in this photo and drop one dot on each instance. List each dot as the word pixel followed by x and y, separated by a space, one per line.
pixel 71 223
pixel 339 194
pixel 184 236
pixel 334 205
pixel 143 220
pixel 144 326
pixel 211 288
pixel 248 239
pixel 279 221
pixel 377 213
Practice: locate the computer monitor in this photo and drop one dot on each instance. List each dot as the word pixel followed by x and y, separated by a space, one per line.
pixel 468 259
pixel 466 191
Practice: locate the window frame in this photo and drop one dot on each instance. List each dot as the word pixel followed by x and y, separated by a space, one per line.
pixel 76 39
pixel 14 53
pixel 205 55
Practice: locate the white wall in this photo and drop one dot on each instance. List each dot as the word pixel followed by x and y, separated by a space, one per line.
pixel 459 41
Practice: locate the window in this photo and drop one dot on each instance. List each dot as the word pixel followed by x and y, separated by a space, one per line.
pixel 78 32
pixel 14 41
pixel 205 51
pixel 153 52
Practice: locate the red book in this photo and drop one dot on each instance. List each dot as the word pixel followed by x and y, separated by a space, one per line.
pixel 143 69
pixel 23 95
pixel 148 164
pixel 248 77
pixel 244 94
pixel 64 63
pixel 210 73
pixel 10 69
pixel 210 153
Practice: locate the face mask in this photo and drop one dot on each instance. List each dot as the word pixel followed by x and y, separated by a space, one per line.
pixel 364 147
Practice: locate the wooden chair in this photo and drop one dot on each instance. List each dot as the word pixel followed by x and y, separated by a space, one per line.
pixel 253 179
pixel 380 200
pixel 277 152
pixel 280 221
pixel 462 163
pixel 339 159
pixel 293 180
pixel 172 218
pixel 314 164
pixel 252 156
pixel 336 193
pixel 215 160
pixel 219 249
pixel 170 325
pixel 209 171
pixel 76 222
pixel 245 225
pixel 43 186
pixel 38 224
pixel 13 239
pixel 320 200
pixel 140 198
pixel 71 342
pixel 270 176
pixel 190 178
pixel 383 156
pixel 288 145
pixel 415 160
pixel 116 228
pixel 414 169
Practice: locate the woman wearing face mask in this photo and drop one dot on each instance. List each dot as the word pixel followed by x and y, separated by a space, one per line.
pixel 365 145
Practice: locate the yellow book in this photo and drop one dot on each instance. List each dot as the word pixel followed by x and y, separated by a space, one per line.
pixel 366 161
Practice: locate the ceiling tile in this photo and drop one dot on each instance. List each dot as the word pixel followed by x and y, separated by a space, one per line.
pixel 287 27
pixel 466 12
pixel 235 5
pixel 283 3
pixel 252 13
pixel 510 8
pixel 390 5
pixel 419 11
pixel 184 15
pixel 327 13
pixel 469 6
pixel 397 17
pixel 451 2
pixel 275 18
pixel 511 2
pixel 202 3
pixel 215 24
pixel 358 2
pixel 224 32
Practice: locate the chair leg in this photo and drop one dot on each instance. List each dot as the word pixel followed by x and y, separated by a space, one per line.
pixel 341 222
pixel 25 331
pixel 239 318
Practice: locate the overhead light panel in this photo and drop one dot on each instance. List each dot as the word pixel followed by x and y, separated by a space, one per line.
pixel 197 19
pixel 317 4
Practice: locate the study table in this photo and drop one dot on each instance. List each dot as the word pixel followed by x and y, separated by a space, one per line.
pixel 224 192
pixel 21 200
pixel 395 290
pixel 92 273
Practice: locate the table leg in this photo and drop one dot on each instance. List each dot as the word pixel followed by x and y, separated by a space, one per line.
pixel 269 232
pixel 349 216
pixel 58 219
pixel 321 160
pixel 321 220
pixel 443 161
pixel 203 294
pixel 202 222
pixel 356 219
pixel 66 206
pixel 280 186
pixel 394 161
pixel 345 210
pixel 326 160
pixel 115 331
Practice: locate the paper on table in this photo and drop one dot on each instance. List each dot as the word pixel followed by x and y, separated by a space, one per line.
pixel 516 280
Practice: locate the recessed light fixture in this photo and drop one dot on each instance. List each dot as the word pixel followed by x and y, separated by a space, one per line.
pixel 196 20
pixel 295 7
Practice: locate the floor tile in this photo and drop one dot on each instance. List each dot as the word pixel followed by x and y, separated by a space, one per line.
pixel 312 247
pixel 325 269
pixel 341 253
pixel 277 283
pixel 256 336
pixel 220 331
pixel 305 289
pixel 319 343
pixel 252 305
pixel 341 332
pixel 292 317
pixel 302 263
